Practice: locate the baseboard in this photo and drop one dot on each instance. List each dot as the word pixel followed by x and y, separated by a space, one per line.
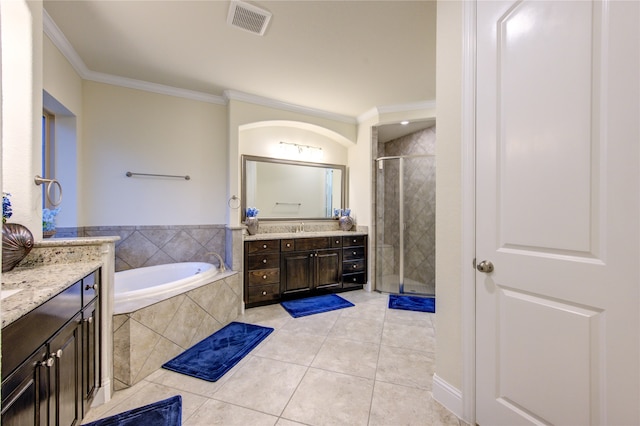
pixel 448 396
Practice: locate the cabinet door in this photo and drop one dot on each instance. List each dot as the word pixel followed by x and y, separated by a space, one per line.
pixel 90 353
pixel 328 268
pixel 297 271
pixel 24 392
pixel 65 397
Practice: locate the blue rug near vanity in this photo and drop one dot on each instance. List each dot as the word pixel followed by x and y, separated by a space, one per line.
pixel 212 357
pixel 167 412
pixel 315 305
pixel 412 303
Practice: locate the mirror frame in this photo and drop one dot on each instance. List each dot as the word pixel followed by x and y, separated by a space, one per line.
pixel 243 203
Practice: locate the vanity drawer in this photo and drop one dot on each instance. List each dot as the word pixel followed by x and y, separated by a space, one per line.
pixel 90 288
pixel 264 261
pixel 336 242
pixel 356 240
pixel 264 276
pixel 264 246
pixel 287 245
pixel 27 333
pixel 353 253
pixel 353 266
pixel 263 293
pixel 354 279
pixel 303 244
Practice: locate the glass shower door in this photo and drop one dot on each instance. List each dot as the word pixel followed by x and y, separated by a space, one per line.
pixel 405 224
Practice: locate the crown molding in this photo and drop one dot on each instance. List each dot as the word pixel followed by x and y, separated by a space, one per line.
pixel 154 87
pixel 378 111
pixel 60 41
pixel 235 95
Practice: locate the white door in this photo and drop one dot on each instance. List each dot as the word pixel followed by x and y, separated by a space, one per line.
pixel 558 214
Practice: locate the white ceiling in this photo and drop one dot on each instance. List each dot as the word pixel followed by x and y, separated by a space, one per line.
pixel 343 57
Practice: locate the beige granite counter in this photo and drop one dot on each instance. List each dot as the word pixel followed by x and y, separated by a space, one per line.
pixel 39 284
pixel 304 234
pixel 52 266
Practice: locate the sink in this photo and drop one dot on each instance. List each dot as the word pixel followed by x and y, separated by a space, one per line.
pixel 6 293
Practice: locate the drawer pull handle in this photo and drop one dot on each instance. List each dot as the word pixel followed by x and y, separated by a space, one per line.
pixel 355 279
pixel 91 286
pixel 48 362
pixel 89 320
pixel 264 277
pixel 264 246
pixel 355 266
pixel 288 245
pixel 57 354
pixel 264 260
pixel 354 253
pixel 337 241
pixel 355 240
pixel 264 293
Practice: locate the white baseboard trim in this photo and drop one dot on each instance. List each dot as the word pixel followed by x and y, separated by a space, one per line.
pixel 447 395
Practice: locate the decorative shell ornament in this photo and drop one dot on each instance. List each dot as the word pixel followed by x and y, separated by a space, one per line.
pixel 17 242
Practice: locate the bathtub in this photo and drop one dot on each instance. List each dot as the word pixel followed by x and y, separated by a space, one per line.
pixel 159 311
pixel 152 281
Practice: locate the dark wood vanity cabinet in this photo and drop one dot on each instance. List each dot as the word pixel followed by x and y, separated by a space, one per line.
pixel 305 266
pixel 311 263
pixel 50 368
pixel 354 256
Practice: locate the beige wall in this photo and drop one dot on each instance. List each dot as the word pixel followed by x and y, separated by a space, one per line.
pixel 133 130
pixel 448 192
pixel 21 27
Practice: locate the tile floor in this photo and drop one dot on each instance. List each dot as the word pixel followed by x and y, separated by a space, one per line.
pixel 364 365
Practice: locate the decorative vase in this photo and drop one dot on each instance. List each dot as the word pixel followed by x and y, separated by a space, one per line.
pixel 48 234
pixel 345 223
pixel 17 242
pixel 252 225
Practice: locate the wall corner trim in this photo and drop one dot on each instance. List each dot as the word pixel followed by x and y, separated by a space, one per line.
pixel 448 396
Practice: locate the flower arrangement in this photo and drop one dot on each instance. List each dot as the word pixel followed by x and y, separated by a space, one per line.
pixel 340 212
pixel 49 219
pixel 6 207
pixel 252 212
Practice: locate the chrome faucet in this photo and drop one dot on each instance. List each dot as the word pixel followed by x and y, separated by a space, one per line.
pixel 221 267
pixel 300 227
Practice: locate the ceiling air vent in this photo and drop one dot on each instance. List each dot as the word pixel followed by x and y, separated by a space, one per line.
pixel 248 17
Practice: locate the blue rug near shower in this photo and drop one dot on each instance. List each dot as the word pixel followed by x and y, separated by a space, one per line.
pixel 315 305
pixel 212 357
pixel 167 412
pixel 412 303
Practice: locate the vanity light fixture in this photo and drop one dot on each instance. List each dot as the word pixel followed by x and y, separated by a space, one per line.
pixel 306 152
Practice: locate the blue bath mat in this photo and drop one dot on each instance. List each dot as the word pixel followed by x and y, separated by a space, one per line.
pixel 212 357
pixel 315 305
pixel 167 412
pixel 412 303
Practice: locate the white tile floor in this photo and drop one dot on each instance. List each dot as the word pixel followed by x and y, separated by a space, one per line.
pixel 364 365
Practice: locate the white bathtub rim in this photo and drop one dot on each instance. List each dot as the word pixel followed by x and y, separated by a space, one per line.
pixel 129 306
pixel 160 272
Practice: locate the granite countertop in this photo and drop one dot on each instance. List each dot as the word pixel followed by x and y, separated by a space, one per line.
pixel 37 285
pixel 304 234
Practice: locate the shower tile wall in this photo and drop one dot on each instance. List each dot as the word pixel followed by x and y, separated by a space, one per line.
pixel 141 246
pixel 419 207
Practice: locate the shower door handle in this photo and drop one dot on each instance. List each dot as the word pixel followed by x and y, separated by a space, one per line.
pixel 485 266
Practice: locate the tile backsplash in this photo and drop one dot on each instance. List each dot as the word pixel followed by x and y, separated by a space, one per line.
pixel 141 246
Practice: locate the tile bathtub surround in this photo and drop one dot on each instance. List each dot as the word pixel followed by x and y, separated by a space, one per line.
pixel 141 246
pixel 147 338
pixel 314 370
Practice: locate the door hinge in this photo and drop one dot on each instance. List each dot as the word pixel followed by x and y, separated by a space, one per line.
pixel 474 263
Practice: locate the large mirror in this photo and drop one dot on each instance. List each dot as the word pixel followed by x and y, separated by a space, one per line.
pixel 284 189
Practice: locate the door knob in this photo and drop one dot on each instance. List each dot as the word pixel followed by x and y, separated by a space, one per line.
pixel 485 266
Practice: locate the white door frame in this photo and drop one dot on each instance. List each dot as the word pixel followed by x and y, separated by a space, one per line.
pixel 468 282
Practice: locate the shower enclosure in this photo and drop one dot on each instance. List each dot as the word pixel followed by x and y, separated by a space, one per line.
pixel 405 224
